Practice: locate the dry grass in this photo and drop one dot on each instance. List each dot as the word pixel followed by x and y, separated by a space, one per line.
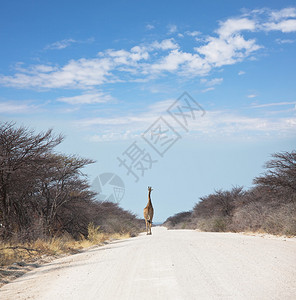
pixel 28 252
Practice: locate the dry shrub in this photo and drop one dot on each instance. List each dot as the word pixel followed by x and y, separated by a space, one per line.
pixel 213 224
pixel 270 206
pixel 31 251
pixel 248 217
pixel 94 235
pixel 180 221
pixel 273 218
pixel 281 221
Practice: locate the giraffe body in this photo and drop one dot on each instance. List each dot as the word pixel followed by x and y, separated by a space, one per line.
pixel 148 212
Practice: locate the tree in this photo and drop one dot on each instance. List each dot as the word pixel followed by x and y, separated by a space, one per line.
pixel 281 174
pixel 221 203
pixel 44 194
pixel 59 185
pixel 21 154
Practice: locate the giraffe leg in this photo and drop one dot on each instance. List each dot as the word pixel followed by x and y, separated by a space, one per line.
pixel 150 227
pixel 150 224
pixel 146 226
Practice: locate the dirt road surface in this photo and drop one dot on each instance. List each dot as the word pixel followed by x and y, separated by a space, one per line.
pixel 181 264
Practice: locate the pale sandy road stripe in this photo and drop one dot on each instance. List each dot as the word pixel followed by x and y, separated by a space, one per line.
pixel 179 264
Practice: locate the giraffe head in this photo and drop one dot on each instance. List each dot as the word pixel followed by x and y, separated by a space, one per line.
pixel 150 188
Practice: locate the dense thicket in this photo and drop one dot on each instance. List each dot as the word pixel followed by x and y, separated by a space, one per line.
pixel 269 206
pixel 43 193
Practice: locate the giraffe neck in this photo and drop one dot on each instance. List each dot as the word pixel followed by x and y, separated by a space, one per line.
pixel 149 198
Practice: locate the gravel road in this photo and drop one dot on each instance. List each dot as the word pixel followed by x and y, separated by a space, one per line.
pixel 177 264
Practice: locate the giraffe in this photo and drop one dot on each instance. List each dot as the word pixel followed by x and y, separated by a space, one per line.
pixel 148 212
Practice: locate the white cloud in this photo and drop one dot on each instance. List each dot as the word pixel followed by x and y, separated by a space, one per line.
pixel 284 41
pixel 230 46
pixel 213 124
pixel 172 28
pixel 193 33
pixel 211 82
pixel 118 121
pixel 41 69
pixel 284 26
pixel 186 63
pixel 229 123
pixel 148 61
pixel 87 98
pixel 283 20
pixel 252 96
pixel 284 13
pixel 207 89
pixel 132 65
pixel 274 104
pixel 15 108
pixel 61 44
pixel 160 107
pixel 123 57
pixel 233 26
pixel 34 69
pixel 113 136
pixel 172 61
pixel 220 51
pixel 241 72
pixel 165 44
pixel 150 26
pixel 80 73
pixel 117 125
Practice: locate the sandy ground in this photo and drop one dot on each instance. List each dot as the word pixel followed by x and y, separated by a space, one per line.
pixel 178 264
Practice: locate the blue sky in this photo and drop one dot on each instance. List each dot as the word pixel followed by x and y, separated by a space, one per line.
pixel 104 73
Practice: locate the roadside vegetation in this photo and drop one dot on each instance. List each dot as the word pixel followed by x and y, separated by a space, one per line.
pixel 46 205
pixel 270 206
